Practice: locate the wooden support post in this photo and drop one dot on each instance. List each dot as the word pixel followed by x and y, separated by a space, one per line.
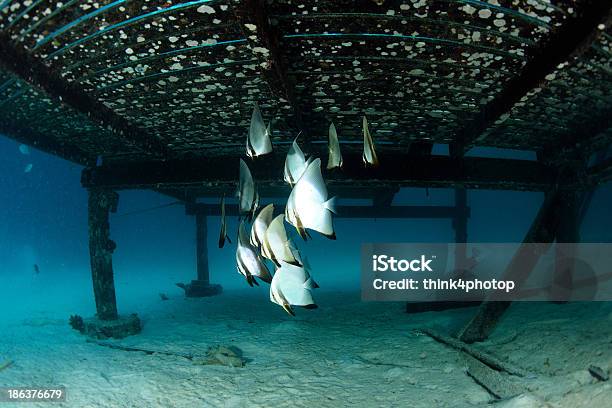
pixel 202 249
pixel 460 227
pixel 568 233
pixel 101 247
pixel 385 199
pixel 459 222
pixel 543 230
pixel 201 287
pixel 107 323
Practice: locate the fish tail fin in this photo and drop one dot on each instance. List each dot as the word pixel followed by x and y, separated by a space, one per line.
pixel 331 236
pixel 266 278
pixel 303 233
pixel 331 205
pixel 288 309
pixel 311 284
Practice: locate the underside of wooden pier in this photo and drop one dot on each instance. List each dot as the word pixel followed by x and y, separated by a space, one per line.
pixel 158 94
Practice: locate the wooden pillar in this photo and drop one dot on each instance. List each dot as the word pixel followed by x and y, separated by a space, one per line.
pixel 101 202
pixel 201 286
pixel 202 249
pixel 543 230
pixel 459 223
pixel 460 226
pixel 568 234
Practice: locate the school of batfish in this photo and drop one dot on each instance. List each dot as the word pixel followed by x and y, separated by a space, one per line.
pixel 308 208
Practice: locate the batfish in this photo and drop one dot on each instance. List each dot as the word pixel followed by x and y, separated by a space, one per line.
pixel 223 233
pixel 308 205
pixel 369 152
pixel 290 287
pixel 276 246
pixel 295 163
pixel 260 225
pixel 258 141
pixel 248 198
pixel 249 262
pixel 335 156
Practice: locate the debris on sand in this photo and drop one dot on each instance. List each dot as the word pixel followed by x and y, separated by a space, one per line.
pixel 221 355
pixel 598 373
pixel 6 364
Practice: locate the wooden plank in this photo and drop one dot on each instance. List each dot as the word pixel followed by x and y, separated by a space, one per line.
pixel 395 169
pixel 254 13
pixel 273 192
pixel 345 211
pixel 32 70
pixel 481 355
pixel 572 39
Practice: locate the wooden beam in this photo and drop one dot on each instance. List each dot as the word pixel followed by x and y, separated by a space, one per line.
pixel 202 249
pixel 394 170
pixel 385 198
pixel 572 39
pixel 262 36
pixel 584 205
pixel 31 69
pixel 45 143
pixel 420 148
pixel 102 202
pixel 543 231
pixel 601 172
pixel 345 211
pixel 271 192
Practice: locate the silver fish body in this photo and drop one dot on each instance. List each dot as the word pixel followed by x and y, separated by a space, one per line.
pixel 248 197
pixel 334 159
pixel 248 261
pixel 258 140
pixel 369 150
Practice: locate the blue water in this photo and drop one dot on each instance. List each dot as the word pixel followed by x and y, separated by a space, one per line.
pixel 43 221
pixel 332 351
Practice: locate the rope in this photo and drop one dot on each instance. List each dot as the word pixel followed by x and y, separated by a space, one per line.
pixel 144 210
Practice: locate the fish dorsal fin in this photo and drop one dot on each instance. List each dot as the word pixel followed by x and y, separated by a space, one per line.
pixel 295 163
pixel 247 191
pixel 223 233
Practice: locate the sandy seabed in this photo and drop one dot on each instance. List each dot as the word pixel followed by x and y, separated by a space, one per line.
pixel 346 353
